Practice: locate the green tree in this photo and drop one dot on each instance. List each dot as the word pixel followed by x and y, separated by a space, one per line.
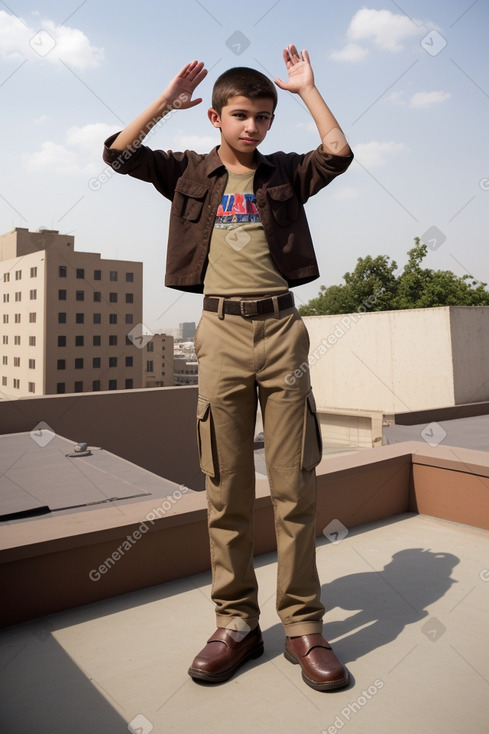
pixel 374 286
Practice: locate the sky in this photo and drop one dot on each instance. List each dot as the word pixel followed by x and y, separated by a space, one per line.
pixel 408 83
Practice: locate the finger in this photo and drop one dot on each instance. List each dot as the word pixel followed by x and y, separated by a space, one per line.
pixel 281 84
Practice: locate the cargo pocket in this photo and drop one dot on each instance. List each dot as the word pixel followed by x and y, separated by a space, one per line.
pixel 205 437
pixel 283 204
pixel 312 444
pixel 188 200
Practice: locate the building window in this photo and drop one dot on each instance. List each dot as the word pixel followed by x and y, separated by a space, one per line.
pixel 112 340
pixel 32 341
pixel 96 385
pixel 129 318
pixel 16 361
pixel 80 295
pixel 129 383
pixel 16 384
pixel 6 297
pixel 17 318
pixel 113 297
pixel 33 272
pixel 18 295
pixel 61 295
pixel 97 318
pixel 18 275
pixel 78 363
pixel 112 318
pixel 79 341
pixel 61 318
pixel 80 273
pixel 113 275
pixel 4 381
pixel 5 318
pixel 97 340
pixel 129 297
pixel 5 339
pixel 17 341
pixel 61 364
pixel 61 341
pixel 80 318
pixel 5 360
pixel 112 384
pixel 33 295
pixel 60 388
pixel 96 363
pixel 6 277
pixel 112 361
pixel 97 275
pixel 32 387
pixel 129 277
pixel 32 318
pixel 129 362
pixel 149 366
pixel 150 347
pixel 32 364
pixel 62 271
pixel 97 296
pixel 78 386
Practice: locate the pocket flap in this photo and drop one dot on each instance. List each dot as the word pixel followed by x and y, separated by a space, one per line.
pixel 191 188
pixel 281 193
pixel 203 406
pixel 311 402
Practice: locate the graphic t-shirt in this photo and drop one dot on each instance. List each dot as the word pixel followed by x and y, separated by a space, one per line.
pixel 240 263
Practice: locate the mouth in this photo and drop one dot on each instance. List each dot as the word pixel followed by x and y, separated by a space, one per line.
pixel 248 140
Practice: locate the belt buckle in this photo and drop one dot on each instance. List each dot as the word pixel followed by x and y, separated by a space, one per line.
pixel 242 308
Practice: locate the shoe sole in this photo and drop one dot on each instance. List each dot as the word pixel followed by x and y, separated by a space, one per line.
pixel 226 674
pixel 319 685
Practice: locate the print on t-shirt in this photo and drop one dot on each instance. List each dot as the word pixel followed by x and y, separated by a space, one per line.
pixel 236 209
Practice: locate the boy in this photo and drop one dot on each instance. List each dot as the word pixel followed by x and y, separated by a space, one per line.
pixel 238 233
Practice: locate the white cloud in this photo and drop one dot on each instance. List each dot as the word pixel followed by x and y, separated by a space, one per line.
pixel 373 154
pixel 385 29
pixel 46 41
pixel 351 52
pixel 345 193
pixel 427 99
pixel 79 152
pixel 396 98
pixel 199 143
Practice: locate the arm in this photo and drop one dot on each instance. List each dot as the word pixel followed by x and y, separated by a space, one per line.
pixel 177 95
pixel 301 82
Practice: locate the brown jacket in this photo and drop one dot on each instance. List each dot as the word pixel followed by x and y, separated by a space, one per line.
pixel 195 184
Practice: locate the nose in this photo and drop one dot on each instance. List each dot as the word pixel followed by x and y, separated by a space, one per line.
pixel 250 125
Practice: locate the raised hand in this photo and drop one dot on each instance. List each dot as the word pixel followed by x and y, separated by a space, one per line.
pixel 301 77
pixel 183 86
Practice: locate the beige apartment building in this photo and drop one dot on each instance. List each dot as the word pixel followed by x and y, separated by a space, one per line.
pixel 158 361
pixel 69 320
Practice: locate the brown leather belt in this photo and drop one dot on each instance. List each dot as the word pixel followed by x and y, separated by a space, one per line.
pixel 250 307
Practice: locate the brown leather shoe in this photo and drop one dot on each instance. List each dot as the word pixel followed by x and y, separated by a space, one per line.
pixel 225 652
pixel 321 669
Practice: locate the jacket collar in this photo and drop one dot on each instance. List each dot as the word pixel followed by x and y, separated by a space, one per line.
pixel 213 162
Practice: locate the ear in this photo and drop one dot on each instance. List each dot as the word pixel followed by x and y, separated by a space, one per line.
pixel 214 117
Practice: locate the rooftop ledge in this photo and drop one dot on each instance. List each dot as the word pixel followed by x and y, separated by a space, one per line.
pixel 49 564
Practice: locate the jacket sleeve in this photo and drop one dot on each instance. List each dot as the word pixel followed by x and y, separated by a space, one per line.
pixel 161 168
pixel 310 172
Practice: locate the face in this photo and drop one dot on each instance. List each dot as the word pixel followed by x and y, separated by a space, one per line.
pixel 243 122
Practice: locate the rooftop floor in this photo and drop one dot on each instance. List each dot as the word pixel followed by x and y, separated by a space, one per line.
pixel 406 601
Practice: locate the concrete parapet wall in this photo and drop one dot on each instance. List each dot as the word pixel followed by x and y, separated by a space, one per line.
pixel 400 361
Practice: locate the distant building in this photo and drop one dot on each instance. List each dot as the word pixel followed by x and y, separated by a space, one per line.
pixel 66 317
pixel 158 361
pixel 185 371
pixel 187 330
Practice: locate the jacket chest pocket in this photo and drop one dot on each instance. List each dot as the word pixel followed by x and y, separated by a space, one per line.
pixel 188 200
pixel 283 204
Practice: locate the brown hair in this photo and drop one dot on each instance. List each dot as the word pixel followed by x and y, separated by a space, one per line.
pixel 240 80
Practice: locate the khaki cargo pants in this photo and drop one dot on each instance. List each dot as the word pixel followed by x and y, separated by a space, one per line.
pixel 242 360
